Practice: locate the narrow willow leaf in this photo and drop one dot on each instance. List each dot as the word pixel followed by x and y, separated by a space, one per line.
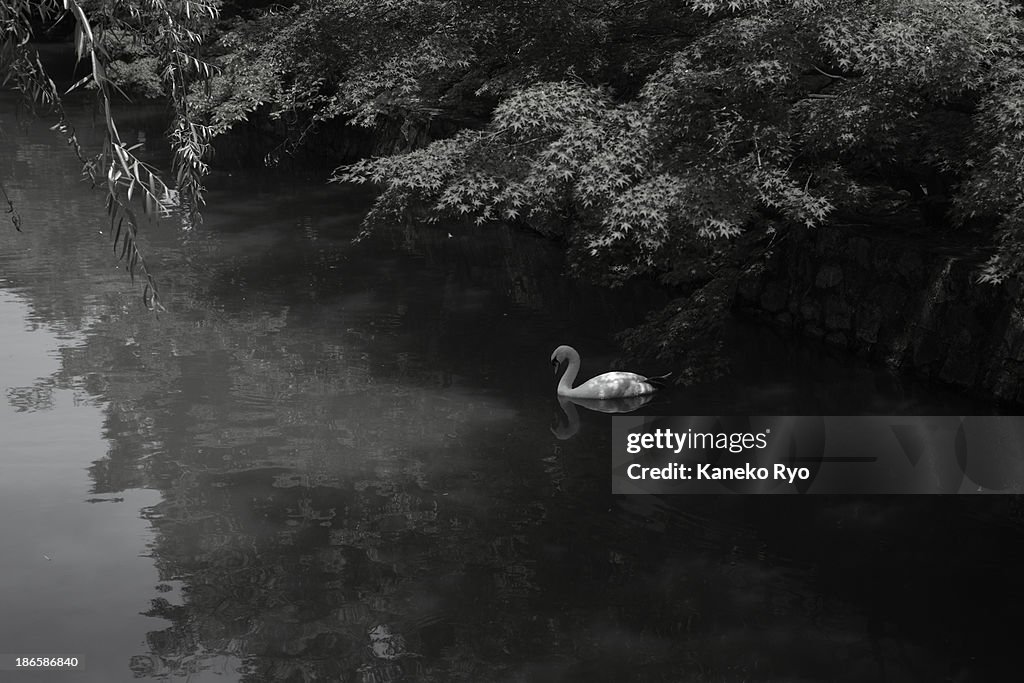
pixel 117 233
pixel 79 41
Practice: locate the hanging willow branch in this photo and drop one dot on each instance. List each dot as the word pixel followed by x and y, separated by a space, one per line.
pixel 173 29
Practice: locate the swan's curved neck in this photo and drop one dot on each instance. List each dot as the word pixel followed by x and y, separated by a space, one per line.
pixel 569 376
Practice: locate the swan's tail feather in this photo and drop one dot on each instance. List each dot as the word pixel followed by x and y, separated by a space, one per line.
pixel 661 381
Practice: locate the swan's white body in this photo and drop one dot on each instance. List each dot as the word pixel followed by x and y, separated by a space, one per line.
pixel 608 385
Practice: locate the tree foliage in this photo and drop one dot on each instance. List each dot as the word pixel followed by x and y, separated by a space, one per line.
pixel 640 131
pixel 786 111
pixel 413 60
pixel 171 30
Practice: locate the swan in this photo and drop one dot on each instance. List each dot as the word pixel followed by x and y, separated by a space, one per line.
pixel 608 385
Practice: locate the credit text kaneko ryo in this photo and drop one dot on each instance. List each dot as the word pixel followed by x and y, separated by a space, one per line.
pixel 680 471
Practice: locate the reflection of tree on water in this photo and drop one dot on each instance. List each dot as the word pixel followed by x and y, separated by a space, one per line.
pixel 363 546
pixel 329 514
pixel 323 580
pixel 294 512
pixel 381 579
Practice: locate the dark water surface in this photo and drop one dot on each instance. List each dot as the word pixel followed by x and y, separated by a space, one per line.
pixel 334 462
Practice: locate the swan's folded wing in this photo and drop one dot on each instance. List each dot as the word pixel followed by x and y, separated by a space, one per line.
pixel 613 385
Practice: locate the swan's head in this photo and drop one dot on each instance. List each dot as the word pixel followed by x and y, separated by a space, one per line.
pixel 562 355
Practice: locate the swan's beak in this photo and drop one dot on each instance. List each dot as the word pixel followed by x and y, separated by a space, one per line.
pixel 555 364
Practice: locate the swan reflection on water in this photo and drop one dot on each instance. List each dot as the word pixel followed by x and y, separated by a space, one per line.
pixel 566 429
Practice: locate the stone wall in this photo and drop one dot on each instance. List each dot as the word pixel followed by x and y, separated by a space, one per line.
pixel 897 299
